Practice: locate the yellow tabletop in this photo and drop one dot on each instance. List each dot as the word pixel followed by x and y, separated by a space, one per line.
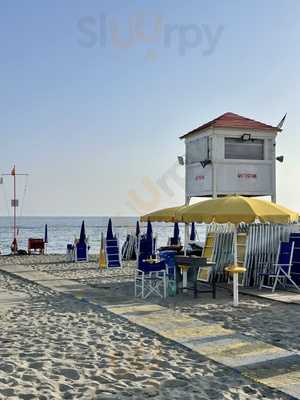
pixel 235 269
pixel 150 261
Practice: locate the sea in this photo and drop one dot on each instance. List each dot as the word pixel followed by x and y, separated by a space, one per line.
pixel 63 230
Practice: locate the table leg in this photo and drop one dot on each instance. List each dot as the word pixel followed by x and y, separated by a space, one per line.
pixel 184 281
pixel 235 289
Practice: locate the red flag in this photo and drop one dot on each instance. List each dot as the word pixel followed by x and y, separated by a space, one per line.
pixel 13 171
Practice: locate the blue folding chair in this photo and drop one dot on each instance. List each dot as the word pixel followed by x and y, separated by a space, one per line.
pixel 281 270
pixel 112 251
pixel 151 279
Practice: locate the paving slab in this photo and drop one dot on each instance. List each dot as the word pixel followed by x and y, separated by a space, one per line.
pixel 279 295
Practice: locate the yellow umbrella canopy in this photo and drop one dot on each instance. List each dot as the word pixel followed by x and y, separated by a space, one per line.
pixel 164 215
pixel 236 209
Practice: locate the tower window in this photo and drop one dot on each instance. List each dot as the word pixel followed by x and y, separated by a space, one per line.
pixel 239 149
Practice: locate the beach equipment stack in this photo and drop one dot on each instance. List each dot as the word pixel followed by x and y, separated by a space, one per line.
pixel 130 245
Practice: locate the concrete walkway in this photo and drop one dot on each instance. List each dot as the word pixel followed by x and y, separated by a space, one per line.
pixel 278 295
pixel 262 362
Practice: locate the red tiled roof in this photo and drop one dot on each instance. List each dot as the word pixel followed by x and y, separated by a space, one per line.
pixel 231 120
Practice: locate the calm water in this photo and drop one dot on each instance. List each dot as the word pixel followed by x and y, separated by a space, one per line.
pixel 63 230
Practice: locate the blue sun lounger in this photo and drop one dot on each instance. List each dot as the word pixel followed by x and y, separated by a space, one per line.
pixel 112 251
pixel 282 269
pixel 81 252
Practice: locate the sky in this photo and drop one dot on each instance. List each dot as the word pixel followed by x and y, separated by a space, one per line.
pixel 95 94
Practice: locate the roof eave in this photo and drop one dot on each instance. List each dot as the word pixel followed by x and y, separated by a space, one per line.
pixel 197 130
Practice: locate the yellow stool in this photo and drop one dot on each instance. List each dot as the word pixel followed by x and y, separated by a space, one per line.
pixel 235 270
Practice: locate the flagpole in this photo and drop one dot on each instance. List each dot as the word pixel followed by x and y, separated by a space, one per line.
pixel 15 211
pixel 14 205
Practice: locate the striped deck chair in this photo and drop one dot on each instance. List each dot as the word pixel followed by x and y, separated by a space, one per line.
pixel 112 251
pixel 208 253
pixel 281 273
pixel 295 270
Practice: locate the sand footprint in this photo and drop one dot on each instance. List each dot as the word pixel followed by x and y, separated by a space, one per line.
pixel 70 373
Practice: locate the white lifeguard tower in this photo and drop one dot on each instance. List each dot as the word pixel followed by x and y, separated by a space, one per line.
pixel 231 155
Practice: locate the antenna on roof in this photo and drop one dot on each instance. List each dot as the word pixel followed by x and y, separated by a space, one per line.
pixel 280 125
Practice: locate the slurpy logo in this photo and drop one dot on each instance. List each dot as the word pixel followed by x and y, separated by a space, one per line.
pixel 150 31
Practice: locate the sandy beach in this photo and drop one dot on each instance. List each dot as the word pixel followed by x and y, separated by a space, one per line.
pixel 53 346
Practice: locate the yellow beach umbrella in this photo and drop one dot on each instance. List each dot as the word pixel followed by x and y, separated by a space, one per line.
pixel 164 215
pixel 237 209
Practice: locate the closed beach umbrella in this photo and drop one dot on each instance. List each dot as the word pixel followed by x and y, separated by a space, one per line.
pixel 46 234
pixel 176 232
pixel 82 237
pixel 193 232
pixel 137 230
pixel 237 209
pixel 149 230
pixel 102 256
pixel 163 215
pixel 109 234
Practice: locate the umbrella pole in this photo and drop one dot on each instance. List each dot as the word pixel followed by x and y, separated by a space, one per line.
pixel 235 274
pixel 186 237
pixel 186 227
